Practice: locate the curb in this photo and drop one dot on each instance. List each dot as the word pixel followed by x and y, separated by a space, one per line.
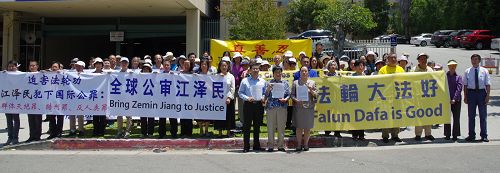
pixel 39 145
pixel 230 143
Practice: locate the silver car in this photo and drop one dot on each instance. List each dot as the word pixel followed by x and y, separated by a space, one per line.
pixel 423 39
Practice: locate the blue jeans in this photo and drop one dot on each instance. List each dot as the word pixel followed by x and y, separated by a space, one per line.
pixel 475 99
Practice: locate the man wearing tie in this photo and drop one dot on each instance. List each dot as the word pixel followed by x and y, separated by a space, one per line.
pixel 477 95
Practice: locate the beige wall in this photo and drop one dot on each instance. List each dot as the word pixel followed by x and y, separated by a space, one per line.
pixel 11 36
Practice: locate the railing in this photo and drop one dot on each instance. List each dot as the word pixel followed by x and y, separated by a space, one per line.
pixel 355 49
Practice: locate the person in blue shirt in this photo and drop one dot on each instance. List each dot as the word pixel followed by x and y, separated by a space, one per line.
pixel 276 110
pixel 477 85
pixel 251 91
pixel 305 63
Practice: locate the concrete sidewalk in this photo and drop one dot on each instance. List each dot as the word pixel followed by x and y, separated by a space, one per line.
pixel 373 138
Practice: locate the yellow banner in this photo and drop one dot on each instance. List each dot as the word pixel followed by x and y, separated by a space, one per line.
pixel 382 101
pixel 287 75
pixel 266 48
pixel 322 73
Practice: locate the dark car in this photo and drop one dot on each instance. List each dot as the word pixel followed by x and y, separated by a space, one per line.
pixel 442 38
pixel 316 34
pixel 401 39
pixel 457 36
pixel 478 39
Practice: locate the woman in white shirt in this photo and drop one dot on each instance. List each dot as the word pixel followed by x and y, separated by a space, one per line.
pixel 229 123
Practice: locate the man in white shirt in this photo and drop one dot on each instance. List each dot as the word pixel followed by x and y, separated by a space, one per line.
pixel 477 95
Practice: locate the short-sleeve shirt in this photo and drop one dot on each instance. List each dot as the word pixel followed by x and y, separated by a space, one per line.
pixel 390 70
pixel 470 78
pixel 418 69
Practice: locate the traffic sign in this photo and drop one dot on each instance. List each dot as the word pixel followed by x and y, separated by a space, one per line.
pixel 394 41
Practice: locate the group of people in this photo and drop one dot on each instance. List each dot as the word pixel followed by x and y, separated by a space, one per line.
pixel 290 108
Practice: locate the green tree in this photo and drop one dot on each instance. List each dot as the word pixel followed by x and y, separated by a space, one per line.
pixel 301 14
pixel 254 19
pixel 380 10
pixel 342 16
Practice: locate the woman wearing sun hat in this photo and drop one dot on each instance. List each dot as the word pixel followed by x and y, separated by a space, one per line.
pixel 455 85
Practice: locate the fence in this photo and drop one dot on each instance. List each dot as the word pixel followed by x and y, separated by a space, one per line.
pixel 354 49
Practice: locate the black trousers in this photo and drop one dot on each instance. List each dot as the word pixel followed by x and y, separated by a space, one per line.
pixel 289 116
pixel 173 126
pixel 357 133
pixel 13 124
pixel 35 123
pixel 162 127
pixel 187 127
pixel 99 122
pixel 147 126
pixel 253 112
pixel 455 110
pixel 56 123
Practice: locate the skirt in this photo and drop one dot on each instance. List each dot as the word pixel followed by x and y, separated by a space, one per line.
pixel 303 118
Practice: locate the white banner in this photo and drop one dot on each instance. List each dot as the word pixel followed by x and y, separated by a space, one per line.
pixel 116 94
pixel 53 93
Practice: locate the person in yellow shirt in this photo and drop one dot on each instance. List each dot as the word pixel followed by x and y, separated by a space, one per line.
pixel 391 68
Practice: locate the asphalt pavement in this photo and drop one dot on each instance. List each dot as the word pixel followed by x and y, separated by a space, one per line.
pixel 456 157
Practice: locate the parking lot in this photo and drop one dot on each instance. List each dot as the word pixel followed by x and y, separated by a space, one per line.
pixel 442 55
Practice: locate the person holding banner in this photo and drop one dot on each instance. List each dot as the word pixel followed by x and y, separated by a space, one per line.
pixel 455 85
pixel 34 120
pixel 162 123
pixel 180 62
pixel 331 67
pixel 286 58
pixel 236 69
pixel 477 95
pixel 56 122
pixel 119 119
pixel 136 62
pixel 229 123
pixel 315 64
pixel 292 64
pixel 147 123
pixel 391 68
pixel 204 69
pixel 324 60
pixel 422 67
pixel 158 62
pixel 79 66
pixel 359 68
pixel 371 59
pixel 252 91
pixel 304 96
pixel 13 121
pixel 187 124
pixel 99 121
pixel 276 96
pixel 277 61
pixel 378 65
pixel 305 63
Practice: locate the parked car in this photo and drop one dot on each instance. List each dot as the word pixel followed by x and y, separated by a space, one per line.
pixel 495 44
pixel 316 34
pixel 379 37
pixel 441 38
pixel 401 39
pixel 478 39
pixel 423 39
pixel 457 36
